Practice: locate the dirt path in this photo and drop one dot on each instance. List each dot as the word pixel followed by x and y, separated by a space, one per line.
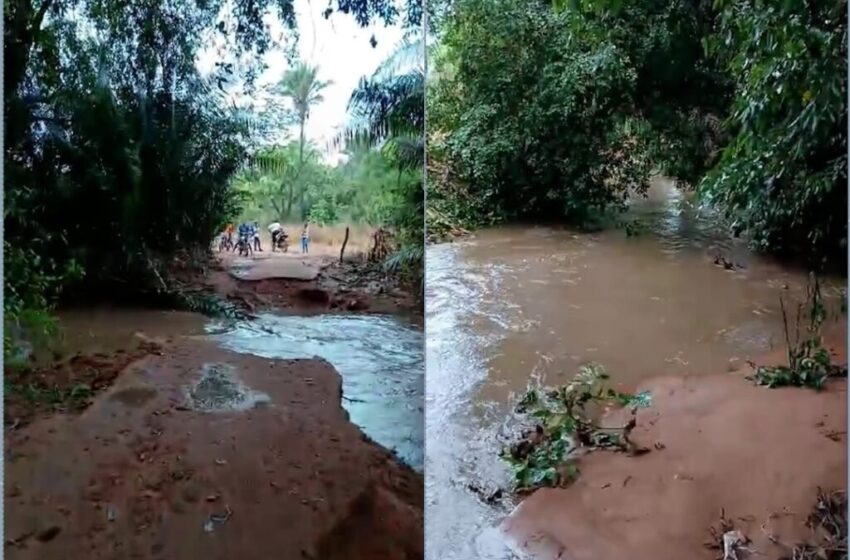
pixel 723 445
pixel 311 283
pixel 194 452
pixel 268 265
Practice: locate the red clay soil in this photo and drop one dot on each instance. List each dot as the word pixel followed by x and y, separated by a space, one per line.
pixel 138 475
pixel 335 290
pixel 724 445
pixel 52 389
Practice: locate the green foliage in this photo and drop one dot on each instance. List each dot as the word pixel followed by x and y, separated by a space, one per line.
pixel 560 111
pixel 564 422
pixel 561 114
pixel 117 151
pixel 30 286
pixel 280 175
pixel 363 189
pixel 783 175
pixel 389 115
pixel 809 363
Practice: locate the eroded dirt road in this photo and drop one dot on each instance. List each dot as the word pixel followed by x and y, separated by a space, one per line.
pixel 196 452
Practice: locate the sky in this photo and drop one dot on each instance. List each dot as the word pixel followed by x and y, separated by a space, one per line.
pixel 343 53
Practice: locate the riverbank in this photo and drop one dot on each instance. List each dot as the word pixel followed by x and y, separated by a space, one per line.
pixel 720 446
pixel 178 448
pixel 146 468
pixel 512 306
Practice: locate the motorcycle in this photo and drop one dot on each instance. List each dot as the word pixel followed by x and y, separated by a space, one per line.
pixel 244 246
pixel 282 242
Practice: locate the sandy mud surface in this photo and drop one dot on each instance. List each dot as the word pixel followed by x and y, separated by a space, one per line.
pixel 719 445
pixel 203 453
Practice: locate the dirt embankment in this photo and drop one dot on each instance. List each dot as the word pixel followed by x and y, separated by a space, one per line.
pixel 161 467
pixel 303 284
pixel 719 444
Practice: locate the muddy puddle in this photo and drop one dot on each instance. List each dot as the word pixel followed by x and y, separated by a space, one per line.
pixel 514 304
pixel 107 329
pixel 379 358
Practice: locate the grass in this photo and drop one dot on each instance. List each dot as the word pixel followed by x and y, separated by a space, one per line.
pixel 564 422
pixel 74 398
pixel 809 362
pixel 66 386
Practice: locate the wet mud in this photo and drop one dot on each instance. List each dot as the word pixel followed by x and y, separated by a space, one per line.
pixel 142 473
pixel 315 284
pixel 720 447
pixel 187 449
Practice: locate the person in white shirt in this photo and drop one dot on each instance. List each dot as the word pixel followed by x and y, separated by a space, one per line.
pixel 276 231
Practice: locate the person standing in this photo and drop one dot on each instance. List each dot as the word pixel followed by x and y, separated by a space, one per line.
pixel 305 238
pixel 228 232
pixel 255 231
pixel 276 230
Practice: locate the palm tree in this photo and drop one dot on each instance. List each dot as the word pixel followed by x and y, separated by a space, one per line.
pixel 302 85
pixel 388 109
pixel 388 112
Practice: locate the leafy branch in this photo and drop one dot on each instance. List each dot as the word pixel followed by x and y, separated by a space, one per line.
pixel 809 363
pixel 565 422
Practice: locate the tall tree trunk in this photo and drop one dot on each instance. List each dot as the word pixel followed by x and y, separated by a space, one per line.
pixel 22 27
pixel 301 161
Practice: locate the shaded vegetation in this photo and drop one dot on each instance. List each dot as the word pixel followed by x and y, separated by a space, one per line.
pixel 119 151
pixel 562 111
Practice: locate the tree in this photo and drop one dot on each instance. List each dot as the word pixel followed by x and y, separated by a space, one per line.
pixel 782 177
pixel 563 112
pixel 117 151
pixel 301 84
pixel 388 111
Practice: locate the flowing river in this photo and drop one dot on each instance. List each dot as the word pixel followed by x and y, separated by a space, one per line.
pixel 512 304
pixel 380 359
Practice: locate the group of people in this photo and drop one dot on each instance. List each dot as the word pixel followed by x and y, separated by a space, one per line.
pixel 250 233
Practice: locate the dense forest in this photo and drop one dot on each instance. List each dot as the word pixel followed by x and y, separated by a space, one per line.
pixel 562 110
pixel 120 152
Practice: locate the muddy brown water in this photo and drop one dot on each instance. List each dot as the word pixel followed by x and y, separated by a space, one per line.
pixel 510 305
pixel 108 329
